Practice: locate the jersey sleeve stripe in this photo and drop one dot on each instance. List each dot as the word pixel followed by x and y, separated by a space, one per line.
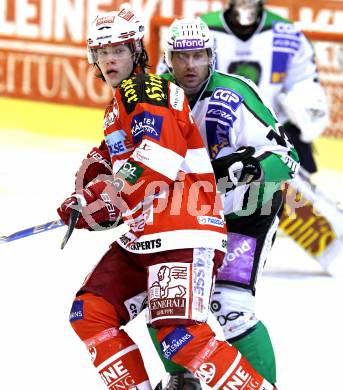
pixel 196 161
pixel 159 159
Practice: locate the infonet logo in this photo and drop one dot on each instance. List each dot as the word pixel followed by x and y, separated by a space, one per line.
pixel 188 44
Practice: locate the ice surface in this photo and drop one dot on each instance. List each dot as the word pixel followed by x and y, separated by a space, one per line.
pixel 300 304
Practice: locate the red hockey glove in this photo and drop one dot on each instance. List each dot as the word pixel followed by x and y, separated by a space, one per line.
pixel 96 163
pixel 100 202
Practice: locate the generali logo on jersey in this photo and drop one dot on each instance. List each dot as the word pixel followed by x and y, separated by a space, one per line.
pixel 169 290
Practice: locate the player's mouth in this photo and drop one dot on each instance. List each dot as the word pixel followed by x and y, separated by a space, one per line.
pixel 190 76
pixel 111 72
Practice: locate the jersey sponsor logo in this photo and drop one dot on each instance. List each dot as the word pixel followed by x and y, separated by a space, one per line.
pixel 129 94
pixel 202 281
pixel 148 124
pixel 280 62
pixel 240 379
pixel 239 260
pixel 146 245
pixel 220 113
pixel 108 120
pixel 175 341
pixel 144 88
pixel 142 153
pixel 219 121
pixel 169 293
pixel 232 98
pixel 76 312
pixel 141 245
pixel 188 43
pixel 131 172
pixel 118 143
pixel 211 221
pixel 286 43
pixel 117 376
pixel 200 269
pixel 154 88
pixel 177 97
pixel 136 304
pixel 285 28
pixel 206 372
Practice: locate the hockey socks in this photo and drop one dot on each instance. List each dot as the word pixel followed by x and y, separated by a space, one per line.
pixel 255 345
pixel 113 353
pixel 216 363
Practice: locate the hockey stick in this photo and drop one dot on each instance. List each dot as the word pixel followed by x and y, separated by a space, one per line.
pixel 32 230
pixel 120 230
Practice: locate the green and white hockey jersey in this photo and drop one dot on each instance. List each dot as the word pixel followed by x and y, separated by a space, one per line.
pixel 275 57
pixel 230 113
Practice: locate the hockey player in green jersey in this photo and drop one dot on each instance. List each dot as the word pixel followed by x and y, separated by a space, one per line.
pixel 251 157
pixel 255 43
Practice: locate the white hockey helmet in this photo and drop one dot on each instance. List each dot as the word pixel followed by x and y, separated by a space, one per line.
pixel 247 11
pixel 189 34
pixel 114 28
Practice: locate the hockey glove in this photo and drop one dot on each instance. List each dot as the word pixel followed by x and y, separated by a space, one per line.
pixel 239 167
pixel 100 202
pixel 96 163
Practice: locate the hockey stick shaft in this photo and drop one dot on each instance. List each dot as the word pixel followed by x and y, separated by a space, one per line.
pixel 32 230
pixel 120 230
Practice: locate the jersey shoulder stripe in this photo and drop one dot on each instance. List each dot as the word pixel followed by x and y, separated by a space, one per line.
pixel 213 19
pixel 270 18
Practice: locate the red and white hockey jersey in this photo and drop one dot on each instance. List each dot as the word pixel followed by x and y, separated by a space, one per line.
pixel 159 159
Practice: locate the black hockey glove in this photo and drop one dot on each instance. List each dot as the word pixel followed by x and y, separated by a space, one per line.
pixel 239 167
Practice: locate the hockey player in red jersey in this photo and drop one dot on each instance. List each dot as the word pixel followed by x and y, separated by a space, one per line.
pixel 153 172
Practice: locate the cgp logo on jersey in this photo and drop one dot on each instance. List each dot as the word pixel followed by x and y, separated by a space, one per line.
pixel 228 96
pixel 188 43
pixel 220 119
pixel 118 143
pixel 283 28
pixel 169 290
pixel 148 124
pixel 175 341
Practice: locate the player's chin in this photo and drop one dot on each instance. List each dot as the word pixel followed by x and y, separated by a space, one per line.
pixel 191 82
pixel 114 78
